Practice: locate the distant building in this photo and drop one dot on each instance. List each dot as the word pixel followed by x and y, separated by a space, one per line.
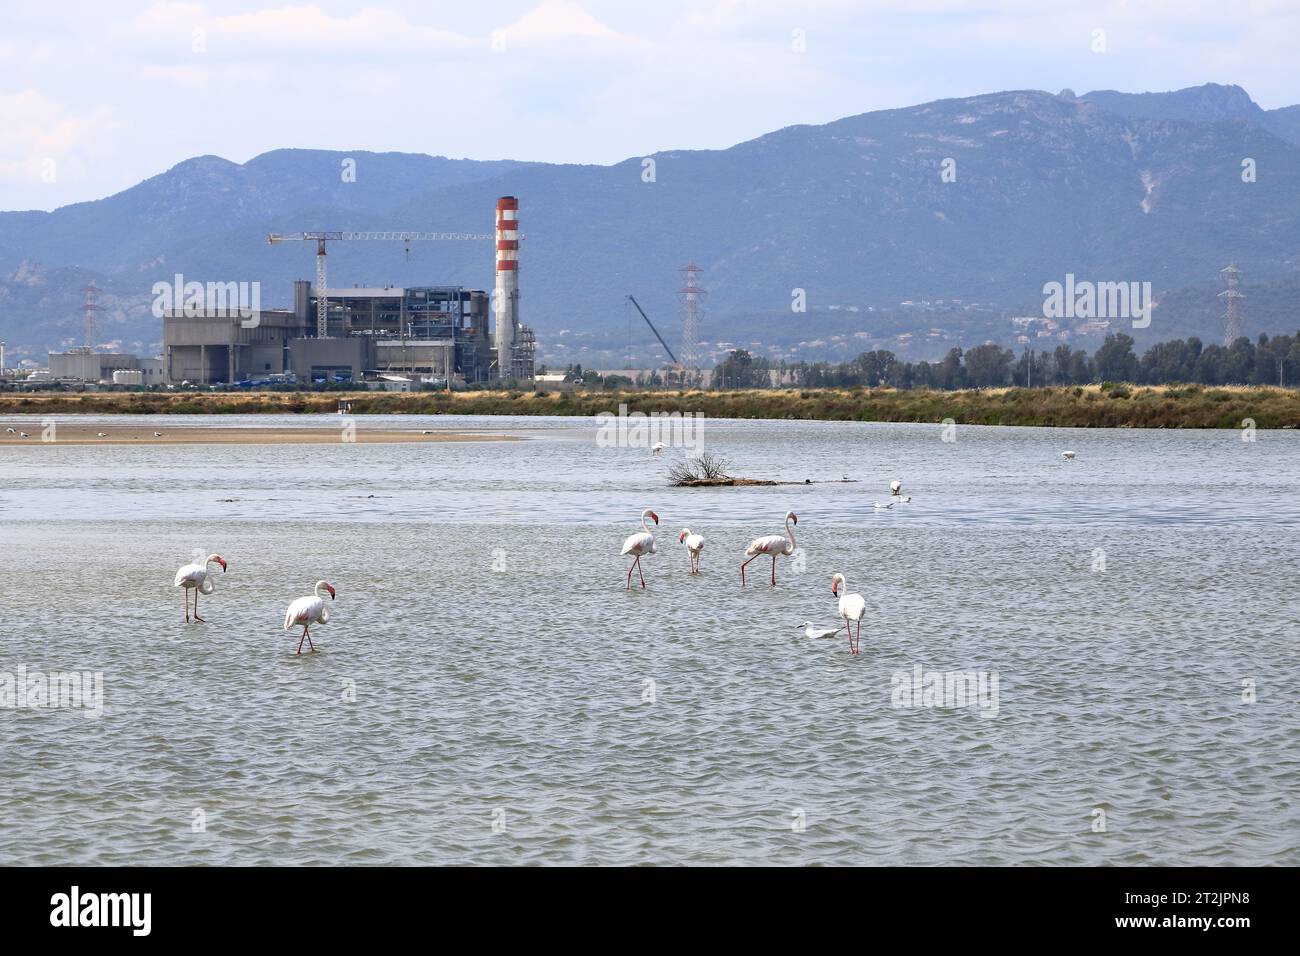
pixel 436 331
pixel 87 365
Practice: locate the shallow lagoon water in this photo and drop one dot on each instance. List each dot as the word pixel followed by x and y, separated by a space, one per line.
pixel 482 692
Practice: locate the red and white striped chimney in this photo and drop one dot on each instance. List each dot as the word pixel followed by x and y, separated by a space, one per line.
pixel 506 295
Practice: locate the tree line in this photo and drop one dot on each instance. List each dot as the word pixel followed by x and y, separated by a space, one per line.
pixel 1267 361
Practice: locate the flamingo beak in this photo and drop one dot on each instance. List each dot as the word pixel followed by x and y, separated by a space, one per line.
pixel 681 537
pixel 330 587
pixel 655 516
pixel 223 565
pixel 795 518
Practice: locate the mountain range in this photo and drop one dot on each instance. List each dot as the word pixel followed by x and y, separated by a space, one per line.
pixel 913 229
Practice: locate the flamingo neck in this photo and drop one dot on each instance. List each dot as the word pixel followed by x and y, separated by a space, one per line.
pixel 644 515
pixel 790 533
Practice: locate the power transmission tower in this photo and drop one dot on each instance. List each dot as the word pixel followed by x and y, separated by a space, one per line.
pixel 691 313
pixel 1233 295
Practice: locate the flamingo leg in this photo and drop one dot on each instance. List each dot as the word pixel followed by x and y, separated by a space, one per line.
pixel 742 570
pixel 186 592
pixel 303 638
pixel 196 606
pixel 629 575
pixel 640 573
pixel 307 631
pixel 774 570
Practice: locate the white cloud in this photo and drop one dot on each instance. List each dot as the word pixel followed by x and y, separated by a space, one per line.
pixel 562 21
pixel 171 29
pixel 47 150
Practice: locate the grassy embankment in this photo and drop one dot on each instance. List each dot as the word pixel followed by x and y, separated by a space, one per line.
pixel 1104 406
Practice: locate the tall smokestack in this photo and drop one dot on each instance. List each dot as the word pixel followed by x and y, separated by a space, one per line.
pixel 506 295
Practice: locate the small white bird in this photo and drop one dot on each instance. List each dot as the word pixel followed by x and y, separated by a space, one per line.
pixel 308 611
pixel 157 434
pixel 194 577
pixel 694 544
pixel 657 448
pixel 12 431
pixel 771 544
pixel 641 543
pixel 816 632
pixel 852 608
pixel 24 435
pixel 895 488
pixel 880 507
pixel 1067 455
pixel 101 434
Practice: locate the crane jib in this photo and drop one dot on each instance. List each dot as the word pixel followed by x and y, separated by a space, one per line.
pixel 654 330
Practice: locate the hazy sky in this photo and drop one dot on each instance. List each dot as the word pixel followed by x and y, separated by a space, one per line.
pixel 98 94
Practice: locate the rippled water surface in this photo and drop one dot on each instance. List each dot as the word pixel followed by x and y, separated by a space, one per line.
pixel 487 691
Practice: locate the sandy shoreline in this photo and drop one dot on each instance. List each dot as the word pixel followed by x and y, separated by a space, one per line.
pixel 71 433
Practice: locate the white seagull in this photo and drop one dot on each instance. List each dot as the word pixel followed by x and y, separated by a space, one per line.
pixel 643 542
pixel 771 544
pixel 194 577
pixel 815 632
pixel 852 608
pixel 308 611
pixel 1067 455
pixel 12 431
pixel 895 488
pixel 694 544
pixel 657 448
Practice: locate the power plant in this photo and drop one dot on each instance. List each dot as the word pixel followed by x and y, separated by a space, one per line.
pixel 392 336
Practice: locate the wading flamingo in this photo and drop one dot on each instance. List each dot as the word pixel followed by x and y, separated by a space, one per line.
pixel 308 611
pixel 771 544
pixel 694 544
pixel 643 542
pixel 194 577
pixel 852 607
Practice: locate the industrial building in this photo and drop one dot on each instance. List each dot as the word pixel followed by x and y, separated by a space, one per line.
pixel 433 333
pixel 87 365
